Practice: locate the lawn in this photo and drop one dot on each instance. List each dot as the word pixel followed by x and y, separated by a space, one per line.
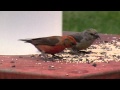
pixel 102 21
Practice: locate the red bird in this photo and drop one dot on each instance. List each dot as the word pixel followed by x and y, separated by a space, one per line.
pixel 52 44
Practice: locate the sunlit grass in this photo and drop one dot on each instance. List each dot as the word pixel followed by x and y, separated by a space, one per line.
pixel 103 21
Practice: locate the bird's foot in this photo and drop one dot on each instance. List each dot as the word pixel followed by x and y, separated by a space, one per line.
pixel 79 52
pixel 56 57
pixel 84 52
pixel 44 57
pixel 74 52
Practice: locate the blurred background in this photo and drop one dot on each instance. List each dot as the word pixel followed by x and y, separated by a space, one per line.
pixel 103 21
pixel 15 25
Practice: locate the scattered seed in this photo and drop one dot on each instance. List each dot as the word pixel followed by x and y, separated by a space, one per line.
pixel 87 61
pixel 20 57
pixel 32 56
pixel 97 53
pixel 114 37
pixel 103 53
pixel 12 62
pixel 94 64
pixel 106 41
pixel 39 63
pixel 13 66
pixel 67 74
pixel 2 60
pixel 51 66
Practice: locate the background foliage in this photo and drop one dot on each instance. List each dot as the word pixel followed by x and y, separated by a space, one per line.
pixel 102 21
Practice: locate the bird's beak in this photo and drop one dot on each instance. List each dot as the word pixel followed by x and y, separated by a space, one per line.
pixel 97 36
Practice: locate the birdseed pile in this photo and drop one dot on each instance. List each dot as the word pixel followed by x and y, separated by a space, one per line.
pixel 102 52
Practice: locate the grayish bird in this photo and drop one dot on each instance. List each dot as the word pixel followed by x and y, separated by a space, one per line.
pixel 84 39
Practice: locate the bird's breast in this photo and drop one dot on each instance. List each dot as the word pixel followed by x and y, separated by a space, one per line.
pixel 84 44
pixel 50 49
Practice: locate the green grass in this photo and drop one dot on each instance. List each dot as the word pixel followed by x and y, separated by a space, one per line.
pixel 102 21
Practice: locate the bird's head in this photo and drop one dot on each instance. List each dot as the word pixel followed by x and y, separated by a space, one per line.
pixel 92 33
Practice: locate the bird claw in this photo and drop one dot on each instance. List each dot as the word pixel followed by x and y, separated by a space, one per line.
pixel 80 52
pixel 85 52
pixel 57 57
pixel 74 52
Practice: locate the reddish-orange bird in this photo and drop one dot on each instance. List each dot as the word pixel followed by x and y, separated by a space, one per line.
pixel 52 44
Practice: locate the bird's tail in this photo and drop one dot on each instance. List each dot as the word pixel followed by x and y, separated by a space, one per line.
pixel 26 40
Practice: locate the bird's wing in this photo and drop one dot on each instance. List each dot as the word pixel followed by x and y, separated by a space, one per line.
pixel 78 36
pixel 53 40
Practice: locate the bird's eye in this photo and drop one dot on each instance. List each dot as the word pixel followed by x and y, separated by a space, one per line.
pixel 91 34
